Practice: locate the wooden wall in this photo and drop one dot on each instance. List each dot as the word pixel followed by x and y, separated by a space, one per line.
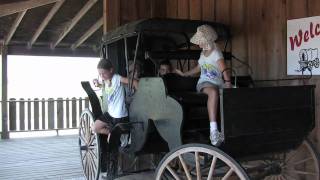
pixel 119 12
pixel 258 28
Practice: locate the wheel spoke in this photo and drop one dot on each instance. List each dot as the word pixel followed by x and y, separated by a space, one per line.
pixel 290 177
pixel 93 160
pixel 299 162
pixel 212 167
pixel 293 155
pixel 228 174
pixel 198 169
pixel 176 177
pixel 282 177
pixel 84 129
pixel 88 135
pixel 302 161
pixel 92 138
pixel 85 154
pixel 93 170
pixel 83 140
pixel 185 168
pixel 86 169
pixel 96 160
pixel 93 154
pixel 303 172
pixel 83 134
pixel 89 168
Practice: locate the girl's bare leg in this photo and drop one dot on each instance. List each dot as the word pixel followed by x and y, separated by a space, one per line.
pixel 212 103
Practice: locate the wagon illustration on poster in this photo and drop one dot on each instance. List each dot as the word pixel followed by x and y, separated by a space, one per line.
pixel 303 45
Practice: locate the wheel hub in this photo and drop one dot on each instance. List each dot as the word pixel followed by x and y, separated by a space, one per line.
pixel 84 148
pixel 274 169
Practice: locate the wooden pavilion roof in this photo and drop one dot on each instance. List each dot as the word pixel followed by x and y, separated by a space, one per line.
pixel 51 27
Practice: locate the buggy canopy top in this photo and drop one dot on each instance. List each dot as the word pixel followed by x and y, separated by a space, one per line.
pixel 157 25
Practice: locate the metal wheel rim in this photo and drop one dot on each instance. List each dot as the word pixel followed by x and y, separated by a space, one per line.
pixel 89 147
pixel 233 169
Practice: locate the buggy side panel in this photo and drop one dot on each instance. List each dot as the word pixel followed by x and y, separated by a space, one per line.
pixel 151 103
pixel 266 119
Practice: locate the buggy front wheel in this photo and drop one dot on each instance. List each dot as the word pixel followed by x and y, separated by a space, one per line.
pixel 89 147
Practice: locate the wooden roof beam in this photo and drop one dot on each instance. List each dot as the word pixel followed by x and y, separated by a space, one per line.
pixel 15 7
pixel 14 26
pixel 45 22
pixel 73 22
pixel 88 33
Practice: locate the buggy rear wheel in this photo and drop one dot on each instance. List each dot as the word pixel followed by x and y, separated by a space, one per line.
pixel 198 161
pixel 89 146
pixel 301 163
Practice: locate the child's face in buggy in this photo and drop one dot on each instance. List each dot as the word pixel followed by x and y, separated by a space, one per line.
pixel 164 69
pixel 106 74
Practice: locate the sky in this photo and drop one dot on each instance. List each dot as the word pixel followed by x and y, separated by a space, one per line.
pixel 49 77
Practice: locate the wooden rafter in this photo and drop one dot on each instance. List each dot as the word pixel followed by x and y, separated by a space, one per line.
pixel 14 26
pixel 88 33
pixel 74 21
pixel 45 22
pixel 15 7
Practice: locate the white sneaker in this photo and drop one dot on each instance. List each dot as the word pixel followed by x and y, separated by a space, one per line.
pixel 103 175
pixel 216 138
pixel 125 140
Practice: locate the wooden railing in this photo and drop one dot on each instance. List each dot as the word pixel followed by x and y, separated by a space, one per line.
pixel 44 114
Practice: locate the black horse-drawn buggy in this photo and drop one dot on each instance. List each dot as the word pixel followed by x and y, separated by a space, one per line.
pixel 265 127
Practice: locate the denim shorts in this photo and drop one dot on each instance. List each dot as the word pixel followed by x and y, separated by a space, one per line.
pixel 205 84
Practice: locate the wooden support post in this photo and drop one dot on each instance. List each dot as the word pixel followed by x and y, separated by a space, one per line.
pixel 104 17
pixel 111 14
pixel 4 92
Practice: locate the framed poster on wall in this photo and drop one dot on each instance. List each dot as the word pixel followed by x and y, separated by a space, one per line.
pixel 303 46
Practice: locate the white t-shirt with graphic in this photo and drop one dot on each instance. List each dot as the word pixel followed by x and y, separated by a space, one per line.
pixel 115 98
pixel 210 69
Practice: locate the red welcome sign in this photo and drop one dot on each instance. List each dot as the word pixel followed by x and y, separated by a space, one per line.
pixel 303 44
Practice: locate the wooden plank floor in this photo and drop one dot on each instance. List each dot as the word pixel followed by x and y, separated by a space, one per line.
pixel 40 158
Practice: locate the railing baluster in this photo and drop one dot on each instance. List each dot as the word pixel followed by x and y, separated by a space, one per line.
pixel 50 113
pixel 43 113
pixel 79 110
pixel 60 113
pixel 12 114
pixel 86 102
pixel 22 114
pixel 36 113
pixel 74 112
pixel 29 115
pixel 67 114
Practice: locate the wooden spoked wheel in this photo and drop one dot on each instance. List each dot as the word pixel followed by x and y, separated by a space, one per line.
pixel 89 147
pixel 298 164
pixel 200 162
